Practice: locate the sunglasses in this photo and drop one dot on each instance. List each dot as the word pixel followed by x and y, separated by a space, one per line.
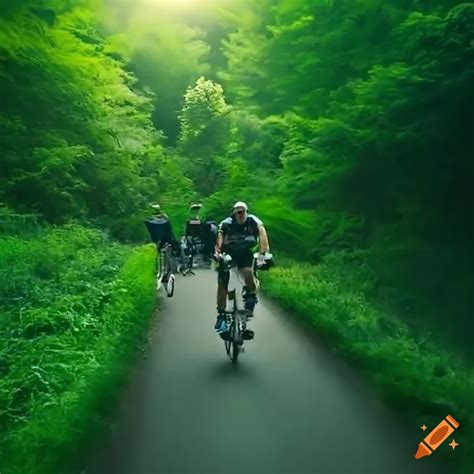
pixel 240 212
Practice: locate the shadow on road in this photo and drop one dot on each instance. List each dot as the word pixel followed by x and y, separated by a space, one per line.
pixel 223 370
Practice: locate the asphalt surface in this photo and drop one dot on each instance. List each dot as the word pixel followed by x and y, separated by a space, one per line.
pixel 289 407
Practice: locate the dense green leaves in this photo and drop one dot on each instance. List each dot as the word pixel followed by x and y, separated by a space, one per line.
pixel 72 130
pixel 74 305
pixel 346 125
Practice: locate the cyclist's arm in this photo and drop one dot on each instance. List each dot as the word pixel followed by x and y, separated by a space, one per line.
pixel 222 229
pixel 219 242
pixel 263 239
pixel 262 235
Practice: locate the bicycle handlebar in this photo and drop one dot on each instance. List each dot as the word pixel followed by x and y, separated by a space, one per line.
pixel 263 261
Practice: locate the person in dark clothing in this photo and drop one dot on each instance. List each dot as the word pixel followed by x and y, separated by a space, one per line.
pixel 161 233
pixel 193 227
pixel 160 229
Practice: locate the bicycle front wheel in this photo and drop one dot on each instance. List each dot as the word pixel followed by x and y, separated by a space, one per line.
pixel 228 346
pixel 235 338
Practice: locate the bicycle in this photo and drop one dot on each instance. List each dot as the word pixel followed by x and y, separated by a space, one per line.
pixel 200 259
pixel 186 259
pixel 237 317
pixel 165 273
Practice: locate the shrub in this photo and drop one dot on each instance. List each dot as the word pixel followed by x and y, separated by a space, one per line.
pixel 73 312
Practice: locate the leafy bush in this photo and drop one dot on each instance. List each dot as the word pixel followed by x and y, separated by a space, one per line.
pixel 422 378
pixel 73 310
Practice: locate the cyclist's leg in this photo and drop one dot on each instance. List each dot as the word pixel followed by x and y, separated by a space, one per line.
pixel 245 263
pixel 222 282
pixel 250 291
pixel 221 292
pixel 174 251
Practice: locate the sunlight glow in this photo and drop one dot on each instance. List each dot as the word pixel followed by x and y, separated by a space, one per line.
pixel 177 3
pixel 173 5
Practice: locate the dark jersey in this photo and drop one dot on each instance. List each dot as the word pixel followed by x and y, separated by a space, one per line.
pixel 239 237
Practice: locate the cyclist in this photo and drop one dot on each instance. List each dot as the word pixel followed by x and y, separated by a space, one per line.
pixel 193 224
pixel 201 234
pixel 161 233
pixel 237 235
pixel 193 229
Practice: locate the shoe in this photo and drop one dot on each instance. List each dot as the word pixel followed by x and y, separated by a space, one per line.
pixel 250 300
pixel 221 325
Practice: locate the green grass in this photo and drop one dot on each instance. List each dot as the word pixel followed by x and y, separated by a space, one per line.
pixel 418 377
pixel 75 307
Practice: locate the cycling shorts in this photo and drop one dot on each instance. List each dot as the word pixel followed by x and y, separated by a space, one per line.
pixel 242 258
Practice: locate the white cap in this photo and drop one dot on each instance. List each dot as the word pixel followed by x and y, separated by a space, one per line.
pixel 240 204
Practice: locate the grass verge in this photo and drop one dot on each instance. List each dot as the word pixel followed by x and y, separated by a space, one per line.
pixel 409 370
pixel 73 314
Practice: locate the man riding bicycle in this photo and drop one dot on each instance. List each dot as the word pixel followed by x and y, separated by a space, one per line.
pixel 237 235
pixel 161 233
pixel 200 234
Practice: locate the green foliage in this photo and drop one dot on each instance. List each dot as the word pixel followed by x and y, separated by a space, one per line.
pixel 202 104
pixel 346 126
pixel 332 297
pixel 164 53
pixel 73 133
pixel 205 128
pixel 74 305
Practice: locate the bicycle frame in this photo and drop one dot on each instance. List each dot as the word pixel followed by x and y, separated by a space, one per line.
pixel 185 266
pixel 199 259
pixel 236 315
pixel 165 268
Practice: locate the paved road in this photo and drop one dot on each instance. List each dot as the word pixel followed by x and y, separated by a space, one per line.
pixel 290 407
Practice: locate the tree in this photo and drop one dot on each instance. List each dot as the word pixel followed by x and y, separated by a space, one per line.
pixel 205 126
